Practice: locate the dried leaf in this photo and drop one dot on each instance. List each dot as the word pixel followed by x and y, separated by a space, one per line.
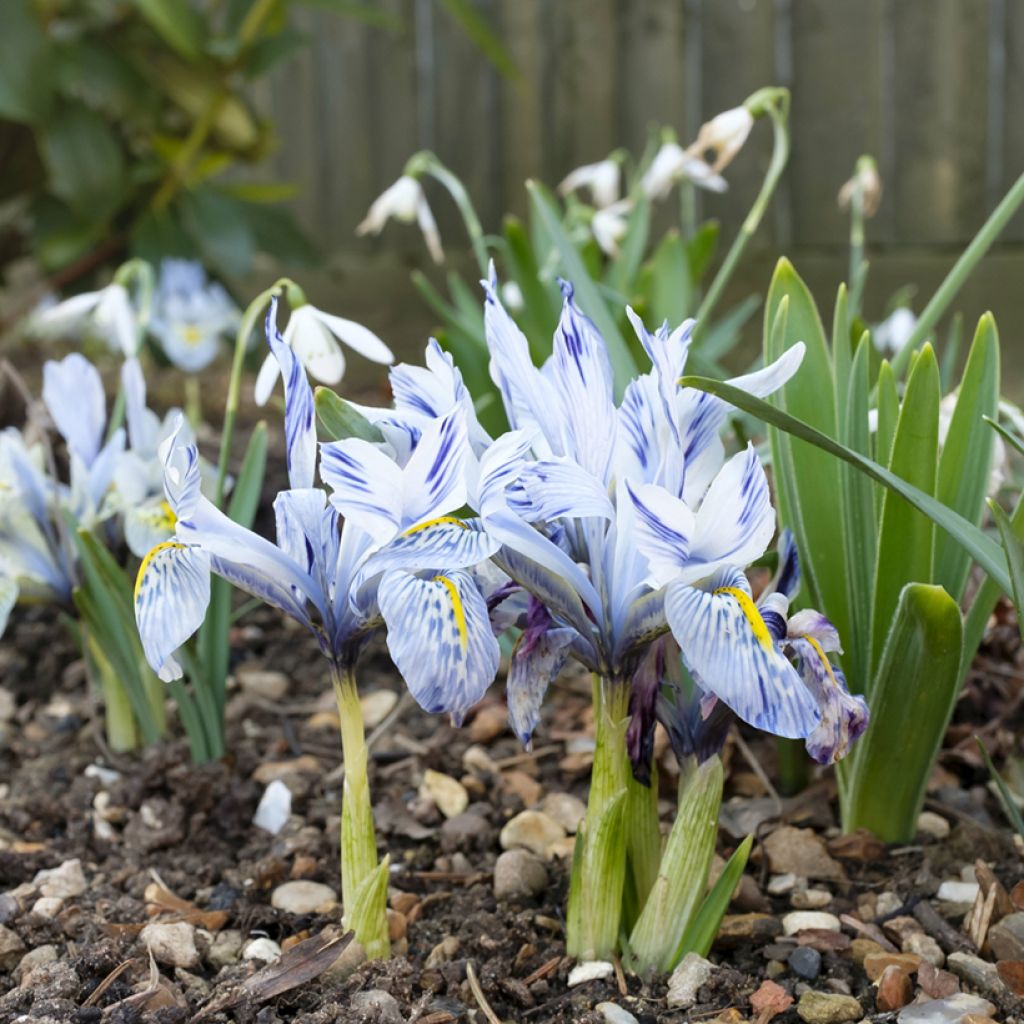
pixel 769 1001
pixel 160 900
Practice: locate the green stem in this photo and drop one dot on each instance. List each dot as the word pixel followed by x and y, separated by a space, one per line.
pixel 363 893
pixel 428 163
pixel 794 766
pixel 122 734
pixel 193 402
pixel 599 865
pixel 962 269
pixel 643 844
pixel 245 329
pixel 687 209
pixel 857 236
pixel 777 108
pixel 683 876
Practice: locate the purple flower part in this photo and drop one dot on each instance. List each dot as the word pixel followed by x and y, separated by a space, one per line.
pixel 787 578
pixel 643 707
pixel 809 623
pixel 696 727
pixel 773 608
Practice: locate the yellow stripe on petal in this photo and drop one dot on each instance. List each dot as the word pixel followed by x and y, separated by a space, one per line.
pixel 457 609
pixel 147 561
pixel 168 518
pixel 440 521
pixel 751 614
pixel 824 658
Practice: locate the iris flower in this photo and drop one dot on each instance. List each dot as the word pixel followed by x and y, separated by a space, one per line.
pixel 190 314
pixel 402 561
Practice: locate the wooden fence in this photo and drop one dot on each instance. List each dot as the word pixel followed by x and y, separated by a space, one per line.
pixel 933 88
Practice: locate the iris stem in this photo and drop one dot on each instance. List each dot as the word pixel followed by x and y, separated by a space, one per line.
pixel 962 269
pixel 777 108
pixel 363 880
pixel 599 863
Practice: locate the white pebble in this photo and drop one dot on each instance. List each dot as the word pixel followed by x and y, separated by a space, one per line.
pixel 274 808
pixel 590 970
pixel 615 1014
pixel 798 920
pixel 958 892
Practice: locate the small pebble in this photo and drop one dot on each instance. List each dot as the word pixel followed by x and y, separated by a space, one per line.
pixel 445 950
pixel 861 949
pixel 828 1008
pixel 262 683
pixel 225 948
pixel 274 808
pixel 895 990
pixel 877 963
pixel 811 899
pixel 951 1010
pixel 303 897
pixel 376 706
pixel 48 906
pixel 887 903
pixel 779 885
pixel 615 1014
pixel 64 882
pixel 799 920
pixel 448 795
pixel 171 943
pixel 805 962
pixel 925 947
pixel 952 891
pixel 533 830
pixel 1007 937
pixel 519 874
pixel 32 959
pixel 693 972
pixel 566 809
pixel 931 824
pixel 801 851
pixel 261 948
pixel 590 970
pixel 377 1005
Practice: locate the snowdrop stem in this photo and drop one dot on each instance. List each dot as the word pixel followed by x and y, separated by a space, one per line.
pixel 427 163
pixel 250 317
pixel 774 103
pixel 363 882
pixel 962 269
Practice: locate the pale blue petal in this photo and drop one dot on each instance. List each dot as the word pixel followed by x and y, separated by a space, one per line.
pixel 183 478
pixel 172 593
pixel 147 525
pixel 583 378
pixel 366 486
pixel 644 622
pixel 440 639
pixel 73 393
pixel 559 488
pixel 142 424
pixel 663 530
pixel 298 514
pixel 725 642
pixel 536 661
pixel 434 478
pixel 299 410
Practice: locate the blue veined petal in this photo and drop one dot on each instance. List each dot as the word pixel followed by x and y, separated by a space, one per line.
pixel 434 478
pixel 183 478
pixel 440 639
pixel 500 466
pixel 141 422
pixel 147 525
pixel 583 378
pixel 8 597
pixel 441 544
pixel 299 411
pixel 663 531
pixel 556 488
pixel 637 448
pixel 787 575
pixel 666 350
pixel 366 486
pixel 812 624
pixel 725 642
pixel 773 608
pixel 735 521
pixel 643 623
pixel 172 592
pixel 298 514
pixel 843 716
pixel 529 398
pixel 73 393
pixel 537 658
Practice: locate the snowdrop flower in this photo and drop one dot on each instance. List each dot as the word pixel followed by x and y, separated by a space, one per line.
pixel 191 314
pixel 723 136
pixel 602 178
pixel 893 333
pixel 610 224
pixel 672 164
pixel 107 314
pixel 314 335
pixel 405 201
pixel 866 181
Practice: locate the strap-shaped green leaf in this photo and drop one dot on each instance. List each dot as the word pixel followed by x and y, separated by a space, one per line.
pixel 985 551
pixel 341 419
pixel 667 283
pixel 906 538
pixel 622 271
pixel 1014 549
pixel 966 459
pixel 917 684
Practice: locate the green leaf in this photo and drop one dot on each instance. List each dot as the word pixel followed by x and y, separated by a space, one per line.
pixel 966 460
pixel 724 334
pixel 26 79
pixel 1014 549
pixel 704 927
pixel 268 53
pixel 841 353
pixel 1009 805
pixel 888 412
pixel 700 250
pixel 482 36
pixel 670 286
pixel 245 496
pixel 906 538
pixel 623 269
pixel 178 24
pixel 540 311
pixel 340 419
pixel 84 161
pixel 221 228
pixel 982 548
pixel 919 670
pixel 587 293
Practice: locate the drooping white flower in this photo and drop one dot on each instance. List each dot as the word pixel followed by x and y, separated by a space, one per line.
pixel 672 164
pixel 893 333
pixel 609 226
pixel 866 181
pixel 107 314
pixel 191 314
pixel 405 201
pixel 602 178
pixel 314 335
pixel 723 136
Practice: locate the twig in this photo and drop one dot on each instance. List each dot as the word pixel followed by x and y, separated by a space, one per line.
pixel 531 755
pixel 478 994
pixel 546 968
pixel 620 977
pixel 748 756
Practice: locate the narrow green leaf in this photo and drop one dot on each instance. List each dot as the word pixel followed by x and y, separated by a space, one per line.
pixel 341 419
pixel 540 311
pixel 906 538
pixel 966 460
pixel 245 496
pixel 622 271
pixel 842 356
pixel 888 412
pixel 724 334
pixel 950 354
pixel 1014 549
pixel 670 288
pixel 702 930
pixel 985 551
pixel 1010 808
pixel 919 670
pixel 450 316
pixel 700 250
pixel 587 293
